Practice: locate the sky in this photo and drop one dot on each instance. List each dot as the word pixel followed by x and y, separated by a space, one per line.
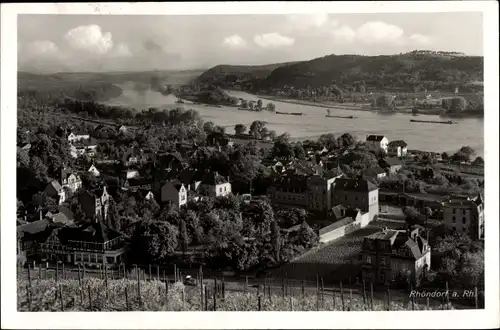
pixel 62 43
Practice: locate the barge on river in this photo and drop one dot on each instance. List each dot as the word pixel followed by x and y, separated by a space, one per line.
pixel 449 122
pixel 289 113
pixel 345 117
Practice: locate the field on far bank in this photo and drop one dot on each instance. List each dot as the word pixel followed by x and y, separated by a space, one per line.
pixel 337 260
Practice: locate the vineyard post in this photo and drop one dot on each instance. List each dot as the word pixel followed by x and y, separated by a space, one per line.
pixel 371 297
pixel 291 298
pixel 350 299
pixel 175 273
pixel 183 298
pixel 29 275
pixel 322 293
pixel 206 298
pixel 317 284
pixel 264 291
pixel 476 298
pixel 303 289
pixel 150 272
pixel 388 298
pixel 40 272
pixel 166 288
pixel 90 299
pixel 157 273
pixel 201 292
pixel 215 296
pixel 283 288
pixel 63 272
pixel 412 298
pixel 28 292
pixel 57 271
pixel 106 281
pixel 427 302
pixel 46 270
pixel 223 289
pixel 333 297
pixel 83 277
pixel 126 298
pixel 216 287
pixel 364 293
pixel 246 284
pixel 61 297
pixel 258 298
pixel 138 286
pixel 342 296
pixel 447 297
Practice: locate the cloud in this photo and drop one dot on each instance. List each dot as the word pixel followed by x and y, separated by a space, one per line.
pixel 89 38
pixel 121 49
pixel 269 40
pixel 307 21
pixel 234 41
pixel 344 33
pixel 379 32
pixel 40 48
pixel 420 39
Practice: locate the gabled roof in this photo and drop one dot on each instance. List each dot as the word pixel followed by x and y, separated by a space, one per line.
pixel 374 171
pixel 391 161
pixel 397 143
pixel 376 138
pixel 56 185
pixel 89 232
pixel 213 178
pixel 336 212
pixel 359 185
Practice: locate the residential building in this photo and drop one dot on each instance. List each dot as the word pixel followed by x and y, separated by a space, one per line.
pixel 345 221
pixel 191 178
pixel 397 148
pixel 391 164
pixel 93 170
pixel 56 191
pixel 216 139
pixel 174 192
pixel 465 215
pixel 77 135
pixel 395 255
pixel 377 143
pixel 319 190
pixel 30 235
pixel 289 189
pixel 93 244
pixel 95 202
pixel 215 185
pixel 357 193
pixel 70 180
pixel 374 173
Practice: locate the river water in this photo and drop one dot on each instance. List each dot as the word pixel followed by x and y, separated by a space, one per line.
pixel 421 136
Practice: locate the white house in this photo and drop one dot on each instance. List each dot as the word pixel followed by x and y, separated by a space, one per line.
pixel 70 180
pixel 93 170
pixel 55 190
pixel 174 192
pixel 215 185
pixel 75 136
pixel 397 148
pixel 377 142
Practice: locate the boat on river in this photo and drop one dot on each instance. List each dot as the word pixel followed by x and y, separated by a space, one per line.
pixel 289 113
pixel 329 115
pixel 449 122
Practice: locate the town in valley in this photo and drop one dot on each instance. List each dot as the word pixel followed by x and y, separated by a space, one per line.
pixel 343 182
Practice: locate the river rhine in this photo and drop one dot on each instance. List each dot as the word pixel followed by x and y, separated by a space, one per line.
pixel 421 136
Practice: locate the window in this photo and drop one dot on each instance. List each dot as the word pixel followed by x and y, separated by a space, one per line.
pixel 463 211
pixel 356 197
pixel 464 220
pixel 368 259
pixel 454 211
pixel 453 219
pixel 220 189
pixel 345 197
pixel 382 276
pixel 382 260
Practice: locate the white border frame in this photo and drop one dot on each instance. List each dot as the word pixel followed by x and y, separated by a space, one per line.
pixel 12 319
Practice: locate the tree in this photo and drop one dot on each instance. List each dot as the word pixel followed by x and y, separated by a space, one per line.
pixel 208 127
pixel 345 141
pixel 328 140
pixel 465 154
pixel 275 240
pixel 445 156
pixel 479 161
pixel 299 151
pixel 282 148
pixel 183 236
pixel 153 241
pixel 240 129
pixel 271 107
pixel 307 237
pixel 259 104
pixel 256 129
pixel 413 216
pixel 244 104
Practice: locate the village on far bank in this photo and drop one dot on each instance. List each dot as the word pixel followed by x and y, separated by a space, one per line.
pixel 162 187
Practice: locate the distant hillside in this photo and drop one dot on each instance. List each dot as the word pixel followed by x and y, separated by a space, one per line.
pixel 229 75
pixel 433 70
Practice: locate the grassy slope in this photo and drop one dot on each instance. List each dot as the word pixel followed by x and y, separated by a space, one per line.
pixel 154 298
pixel 255 71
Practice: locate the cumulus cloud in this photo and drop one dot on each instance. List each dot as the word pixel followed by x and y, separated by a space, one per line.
pixel 344 33
pixel 40 48
pixel 234 41
pixel 269 40
pixel 89 38
pixel 379 32
pixel 420 39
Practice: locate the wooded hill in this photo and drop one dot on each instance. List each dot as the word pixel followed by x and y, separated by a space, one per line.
pixel 427 69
